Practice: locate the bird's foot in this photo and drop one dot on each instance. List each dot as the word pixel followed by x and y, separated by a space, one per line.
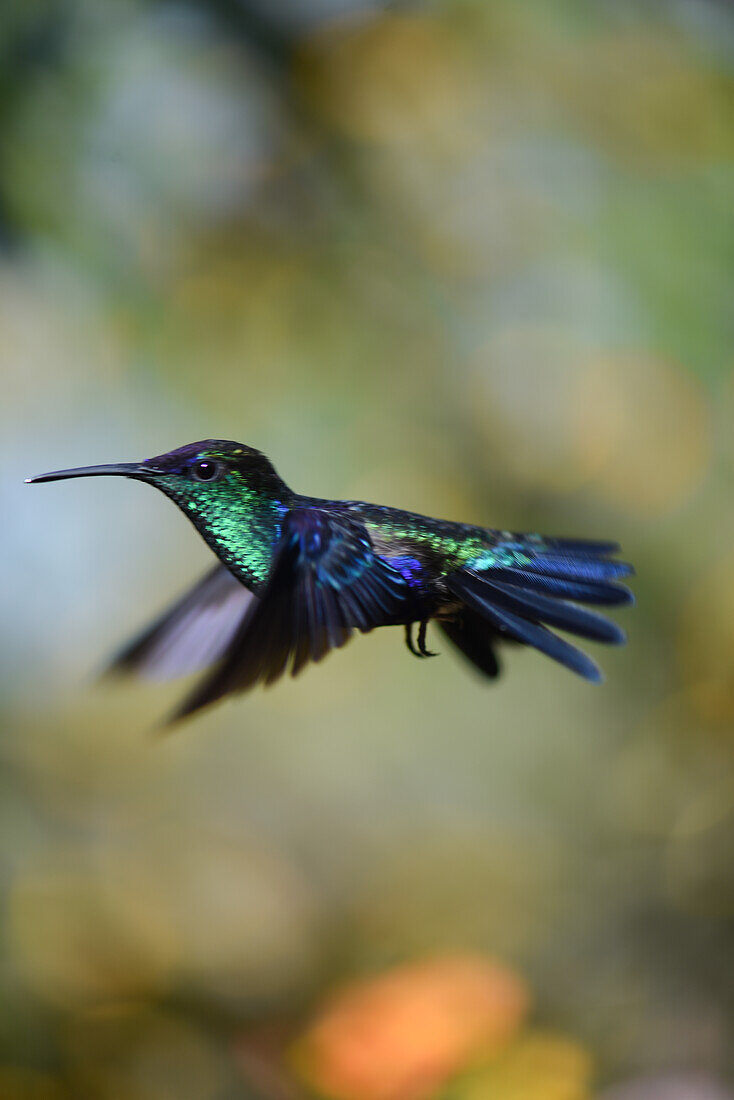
pixel 421 650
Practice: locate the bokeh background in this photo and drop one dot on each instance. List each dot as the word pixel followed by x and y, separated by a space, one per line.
pixel 471 258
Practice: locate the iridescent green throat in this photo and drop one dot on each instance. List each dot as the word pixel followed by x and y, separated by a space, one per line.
pixel 239 522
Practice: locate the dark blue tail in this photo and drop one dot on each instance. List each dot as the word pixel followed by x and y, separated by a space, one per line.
pixel 520 602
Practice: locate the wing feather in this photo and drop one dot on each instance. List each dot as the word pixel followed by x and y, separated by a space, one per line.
pixel 326 581
pixel 191 634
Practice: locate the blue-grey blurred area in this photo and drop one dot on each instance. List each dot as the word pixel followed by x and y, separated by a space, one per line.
pixel 470 258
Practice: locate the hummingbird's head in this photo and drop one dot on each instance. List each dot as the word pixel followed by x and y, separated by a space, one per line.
pixel 230 492
pixel 210 470
pixel 200 477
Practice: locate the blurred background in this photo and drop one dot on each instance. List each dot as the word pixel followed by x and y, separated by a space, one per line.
pixel 470 258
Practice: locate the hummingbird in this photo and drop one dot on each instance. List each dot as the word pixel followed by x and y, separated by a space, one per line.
pixel 297 575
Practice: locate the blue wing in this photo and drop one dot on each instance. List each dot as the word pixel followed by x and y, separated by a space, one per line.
pixel 325 582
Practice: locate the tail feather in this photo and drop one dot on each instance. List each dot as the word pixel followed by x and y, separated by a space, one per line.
pixel 595 548
pixel 594 592
pixel 580 567
pixel 519 602
pixel 558 613
pixel 536 635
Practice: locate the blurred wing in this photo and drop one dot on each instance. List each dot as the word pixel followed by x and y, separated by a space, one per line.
pixel 192 634
pixel 326 580
pixel 521 601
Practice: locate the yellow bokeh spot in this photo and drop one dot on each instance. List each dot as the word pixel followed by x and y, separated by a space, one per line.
pixel 705 642
pixel 655 422
pixel 392 80
pixel 525 402
pixel 559 416
pixel 537 1067
pixel 71 947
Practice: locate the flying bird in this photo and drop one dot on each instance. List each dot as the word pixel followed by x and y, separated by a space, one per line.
pixel 297 575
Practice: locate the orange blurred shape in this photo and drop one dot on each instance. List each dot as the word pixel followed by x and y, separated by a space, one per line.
pixel 400 1036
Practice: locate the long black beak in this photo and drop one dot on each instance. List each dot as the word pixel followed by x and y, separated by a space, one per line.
pixel 118 469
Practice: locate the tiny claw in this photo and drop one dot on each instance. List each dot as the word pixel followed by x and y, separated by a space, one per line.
pixel 421 650
pixel 409 640
pixel 424 652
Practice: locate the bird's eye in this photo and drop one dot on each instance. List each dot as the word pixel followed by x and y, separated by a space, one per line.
pixel 206 470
